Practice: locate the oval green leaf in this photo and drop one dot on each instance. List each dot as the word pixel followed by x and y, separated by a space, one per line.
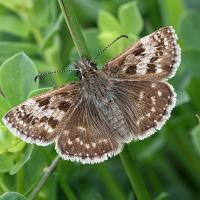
pixel 13 25
pixel 4 106
pixel 6 140
pixel 172 11
pixel 25 158
pixel 17 78
pixel 8 49
pixel 130 18
pixel 6 163
pixel 12 196
pixel 190 30
pixel 18 147
pixel 107 22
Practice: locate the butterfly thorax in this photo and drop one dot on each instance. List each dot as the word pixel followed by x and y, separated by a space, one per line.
pixel 85 67
pixel 95 84
pixel 90 73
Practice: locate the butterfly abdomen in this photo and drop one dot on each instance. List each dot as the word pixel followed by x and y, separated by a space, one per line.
pixel 115 119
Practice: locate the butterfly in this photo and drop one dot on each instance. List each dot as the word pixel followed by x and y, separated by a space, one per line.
pixel 91 120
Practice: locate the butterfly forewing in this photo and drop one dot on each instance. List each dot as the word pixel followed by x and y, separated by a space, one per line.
pixel 36 119
pixel 153 57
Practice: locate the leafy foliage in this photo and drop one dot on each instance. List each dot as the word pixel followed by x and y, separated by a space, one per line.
pixel 12 196
pixel 196 137
pixel 34 38
pixel 110 27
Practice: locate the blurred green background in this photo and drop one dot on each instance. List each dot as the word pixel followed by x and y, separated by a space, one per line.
pixel 34 38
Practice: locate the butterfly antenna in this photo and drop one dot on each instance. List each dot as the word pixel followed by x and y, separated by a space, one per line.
pixel 58 71
pixel 120 37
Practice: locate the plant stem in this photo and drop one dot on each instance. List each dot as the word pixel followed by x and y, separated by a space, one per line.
pixel 20 179
pixel 134 176
pixel 74 27
pixel 44 178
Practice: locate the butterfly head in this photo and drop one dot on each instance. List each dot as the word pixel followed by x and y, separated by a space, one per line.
pixel 85 67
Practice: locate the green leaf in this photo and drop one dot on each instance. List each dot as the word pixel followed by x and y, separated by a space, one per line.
pixel 162 196
pixel 12 196
pixel 53 31
pixel 41 65
pixel 107 37
pixel 91 37
pixel 193 91
pixel 182 97
pixel 17 6
pixel 42 12
pixel 39 161
pixel 190 30
pixel 9 143
pixel 17 78
pixel 130 18
pixel 6 163
pixel 25 158
pixel 196 138
pixel 172 11
pixel 8 49
pixel 38 92
pixel 13 25
pixel 191 58
pixel 4 106
pixel 152 148
pixel 18 147
pixel 107 22
pixel 130 41
pixel 6 140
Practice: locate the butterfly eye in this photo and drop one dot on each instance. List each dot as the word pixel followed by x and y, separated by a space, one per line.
pixel 78 74
pixel 93 65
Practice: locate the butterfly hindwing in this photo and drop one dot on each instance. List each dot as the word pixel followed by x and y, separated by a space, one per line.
pixel 35 120
pixel 147 105
pixel 155 56
pixel 87 137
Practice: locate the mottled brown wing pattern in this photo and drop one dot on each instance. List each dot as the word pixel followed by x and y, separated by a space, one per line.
pixel 36 119
pixel 153 57
pixel 90 121
pixel 87 138
pixel 146 105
